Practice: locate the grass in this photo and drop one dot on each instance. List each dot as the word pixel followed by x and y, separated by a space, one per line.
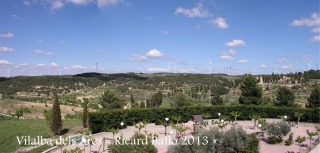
pixel 28 127
pixel 39 149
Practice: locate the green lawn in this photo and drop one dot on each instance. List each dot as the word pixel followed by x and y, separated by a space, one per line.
pixel 27 127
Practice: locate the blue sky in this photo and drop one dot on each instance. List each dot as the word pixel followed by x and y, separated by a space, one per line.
pixel 41 37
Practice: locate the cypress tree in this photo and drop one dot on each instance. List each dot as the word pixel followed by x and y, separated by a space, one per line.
pixel 132 99
pixel 85 112
pixel 56 123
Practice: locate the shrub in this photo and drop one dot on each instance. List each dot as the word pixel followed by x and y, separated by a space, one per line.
pixel 272 140
pixel 290 140
pixel 103 120
pixel 279 129
pixel 233 140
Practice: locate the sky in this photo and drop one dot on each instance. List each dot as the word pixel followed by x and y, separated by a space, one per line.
pixel 54 37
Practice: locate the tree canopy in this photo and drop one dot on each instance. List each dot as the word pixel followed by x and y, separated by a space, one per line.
pixel 251 92
pixel 56 123
pixel 285 97
pixel 314 99
pixel 110 100
pixel 180 99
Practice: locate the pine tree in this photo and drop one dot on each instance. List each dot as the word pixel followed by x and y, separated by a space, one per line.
pixel 314 99
pixel 285 97
pixel 132 99
pixel 56 123
pixel 85 113
pixel 251 92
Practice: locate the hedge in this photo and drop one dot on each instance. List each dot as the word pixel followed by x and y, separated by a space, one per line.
pixel 107 119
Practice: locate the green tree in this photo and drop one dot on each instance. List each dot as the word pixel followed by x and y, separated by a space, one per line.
pixel 156 99
pixel 251 92
pixel 217 100
pixel 180 99
pixel 300 140
pixel 311 134
pixel 113 131
pixel 279 129
pixel 285 97
pixel 298 115
pixel 132 99
pixel 47 116
pixel 255 118
pixel 314 99
pixel 20 111
pixel 56 123
pixel 235 115
pixel 139 126
pixel 110 101
pixel 85 113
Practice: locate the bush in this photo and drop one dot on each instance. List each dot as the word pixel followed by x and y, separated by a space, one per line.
pixel 104 120
pixel 290 140
pixel 233 140
pixel 273 140
pixel 279 129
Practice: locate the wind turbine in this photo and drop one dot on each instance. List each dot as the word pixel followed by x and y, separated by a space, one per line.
pixel 174 66
pixel 169 68
pixel 96 66
pixel 210 65
pixel 275 69
pixel 230 70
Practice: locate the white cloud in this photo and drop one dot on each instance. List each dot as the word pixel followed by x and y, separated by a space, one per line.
pixel 26 3
pixel 307 58
pixel 165 32
pixel 6 35
pixel 264 66
pixel 197 11
pixel 315 39
pixel 56 4
pixel 43 52
pixel 6 49
pixel 81 2
pixel 15 16
pixel 287 66
pixel 243 61
pixel 157 69
pixel 231 51
pixel 40 65
pixel 314 20
pixel 138 58
pixel 5 62
pixel 235 43
pixel 23 64
pixel 102 3
pixel 281 60
pixel 226 57
pixel 75 67
pixel 154 54
pixel 316 30
pixel 54 64
pixel 220 23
